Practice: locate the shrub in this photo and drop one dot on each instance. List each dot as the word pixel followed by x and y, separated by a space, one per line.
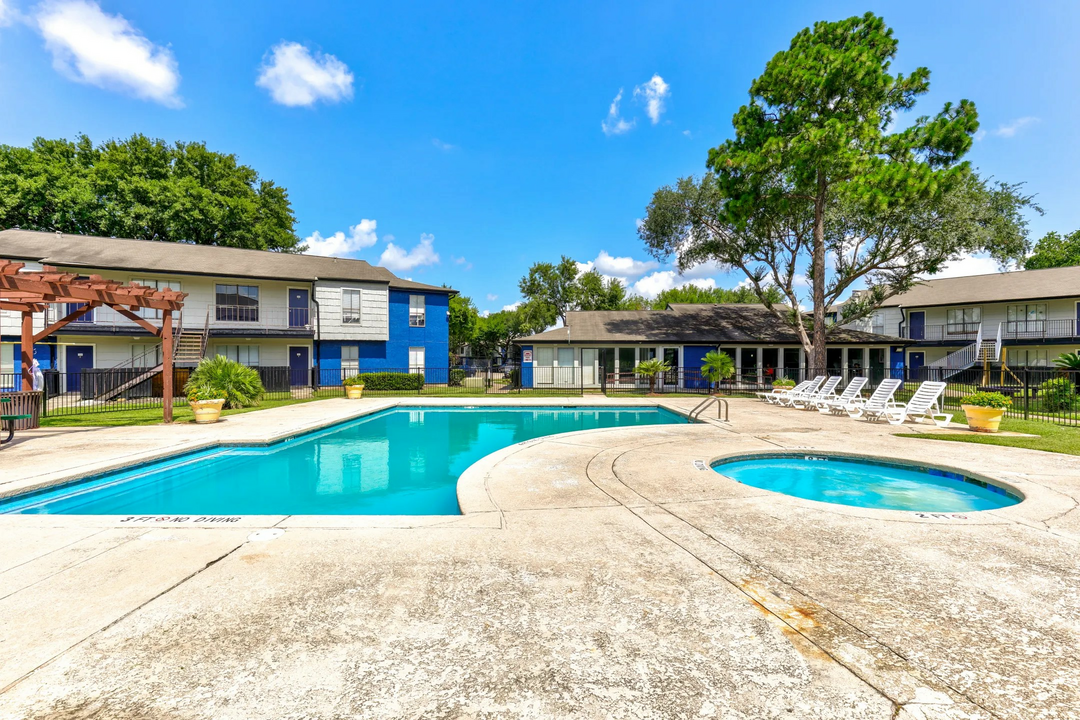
pixel 515 378
pixel 354 380
pixel 457 378
pixel 393 381
pixel 1057 394
pixel 783 383
pixel 220 377
pixel 987 399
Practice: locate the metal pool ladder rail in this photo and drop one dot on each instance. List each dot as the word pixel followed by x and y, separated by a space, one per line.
pixel 721 408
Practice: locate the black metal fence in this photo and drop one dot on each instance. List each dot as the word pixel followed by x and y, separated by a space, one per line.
pixel 1045 394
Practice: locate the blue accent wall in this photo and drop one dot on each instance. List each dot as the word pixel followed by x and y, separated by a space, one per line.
pixel 896 361
pixel 393 354
pixel 526 369
pixel 693 356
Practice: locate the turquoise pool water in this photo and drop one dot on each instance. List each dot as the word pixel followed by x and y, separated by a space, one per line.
pixel 404 461
pixel 869 484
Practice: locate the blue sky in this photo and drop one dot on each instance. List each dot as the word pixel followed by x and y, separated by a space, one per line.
pixel 460 142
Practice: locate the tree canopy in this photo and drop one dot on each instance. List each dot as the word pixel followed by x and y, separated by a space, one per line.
pixel 700 295
pixel 146 189
pixel 817 191
pixel 1055 250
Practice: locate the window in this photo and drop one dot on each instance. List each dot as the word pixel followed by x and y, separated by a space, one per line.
pixel 350 360
pixel 646 353
pixel 1029 358
pixel 626 360
pixel 877 323
pixel 416 359
pixel 350 306
pixel 238 303
pixel 416 311
pixel 566 357
pixel 7 360
pixel 1029 318
pixel 247 355
pixel 963 320
pixel 146 354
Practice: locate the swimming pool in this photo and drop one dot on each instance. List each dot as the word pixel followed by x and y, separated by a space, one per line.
pixel 402 461
pixel 868 483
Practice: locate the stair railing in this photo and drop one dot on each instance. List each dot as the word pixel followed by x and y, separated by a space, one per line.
pixel 997 347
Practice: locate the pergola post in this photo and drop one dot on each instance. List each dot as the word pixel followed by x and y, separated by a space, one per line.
pixel 167 365
pixel 26 350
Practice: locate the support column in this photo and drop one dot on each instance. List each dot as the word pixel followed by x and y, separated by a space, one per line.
pixel 167 365
pixel 26 350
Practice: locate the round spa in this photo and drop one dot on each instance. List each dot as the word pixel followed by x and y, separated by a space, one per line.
pixel 867 482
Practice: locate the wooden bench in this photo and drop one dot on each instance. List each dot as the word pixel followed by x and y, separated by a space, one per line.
pixel 7 422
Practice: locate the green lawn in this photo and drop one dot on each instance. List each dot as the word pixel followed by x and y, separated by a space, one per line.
pixel 1051 437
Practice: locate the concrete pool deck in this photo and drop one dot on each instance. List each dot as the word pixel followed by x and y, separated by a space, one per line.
pixel 595 574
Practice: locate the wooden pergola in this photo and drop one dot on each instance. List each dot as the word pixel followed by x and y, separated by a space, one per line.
pixel 29 292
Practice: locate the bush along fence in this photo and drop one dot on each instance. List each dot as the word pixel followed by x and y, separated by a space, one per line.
pixel 1046 394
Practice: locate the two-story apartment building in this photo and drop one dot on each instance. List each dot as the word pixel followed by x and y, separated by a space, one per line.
pixel 1021 319
pixel 264 309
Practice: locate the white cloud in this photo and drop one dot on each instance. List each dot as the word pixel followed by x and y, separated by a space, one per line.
pixel 613 124
pixel 655 283
pixel 492 297
pixel 622 266
pixel 512 306
pixel 687 133
pixel 8 14
pixel 462 261
pixel 1011 129
pixel 339 244
pixel 653 94
pixel 297 77
pixel 397 259
pixel 969 265
pixel 106 51
pixel 444 146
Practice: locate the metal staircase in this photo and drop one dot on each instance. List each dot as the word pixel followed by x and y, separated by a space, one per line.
pixel 965 357
pixel 189 348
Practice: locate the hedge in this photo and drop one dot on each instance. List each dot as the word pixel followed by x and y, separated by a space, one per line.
pixel 392 381
pixel 457 378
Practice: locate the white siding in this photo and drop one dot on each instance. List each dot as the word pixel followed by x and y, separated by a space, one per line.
pixel 374 312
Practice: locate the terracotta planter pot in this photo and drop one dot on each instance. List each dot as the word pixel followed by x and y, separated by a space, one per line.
pixel 207 411
pixel 354 392
pixel 983 419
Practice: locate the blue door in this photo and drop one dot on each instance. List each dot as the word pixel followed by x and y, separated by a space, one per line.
pixel 916 325
pixel 915 362
pixel 79 358
pixel 299 366
pixel 299 308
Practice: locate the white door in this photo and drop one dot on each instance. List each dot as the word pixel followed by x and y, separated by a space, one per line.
pixel 416 359
pixel 588 366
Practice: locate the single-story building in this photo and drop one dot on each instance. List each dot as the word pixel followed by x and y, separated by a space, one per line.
pixel 601 348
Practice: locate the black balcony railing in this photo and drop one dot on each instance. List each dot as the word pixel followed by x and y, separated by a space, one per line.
pixel 960 332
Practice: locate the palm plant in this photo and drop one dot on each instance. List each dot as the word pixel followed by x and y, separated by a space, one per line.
pixel 220 377
pixel 717 366
pixel 1068 361
pixel 650 369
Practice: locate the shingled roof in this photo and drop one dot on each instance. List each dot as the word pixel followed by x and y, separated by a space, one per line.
pixel 994 287
pixel 689 324
pixel 171 257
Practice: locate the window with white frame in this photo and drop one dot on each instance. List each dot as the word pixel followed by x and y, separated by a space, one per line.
pixel 1034 357
pixel 146 354
pixel 237 303
pixel 247 355
pixel 877 323
pixel 1026 318
pixel 417 313
pixel 416 359
pixel 350 306
pixel 350 360
pixel 7 359
pixel 963 320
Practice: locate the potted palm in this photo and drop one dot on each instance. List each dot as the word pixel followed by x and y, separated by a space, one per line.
pixel 984 410
pixel 717 366
pixel 650 369
pixel 219 383
pixel 354 387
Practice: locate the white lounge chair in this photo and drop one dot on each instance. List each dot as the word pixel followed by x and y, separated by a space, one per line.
pixel 880 400
pixel 825 392
pixel 789 398
pixel 921 406
pixel 772 395
pixel 851 394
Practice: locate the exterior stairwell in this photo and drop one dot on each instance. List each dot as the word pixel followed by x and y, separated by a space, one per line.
pixel 189 347
pixel 966 357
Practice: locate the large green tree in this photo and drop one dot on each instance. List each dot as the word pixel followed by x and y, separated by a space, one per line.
pixel 1055 250
pixel 700 295
pixel 558 288
pixel 496 333
pixel 143 188
pixel 463 320
pixel 815 168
